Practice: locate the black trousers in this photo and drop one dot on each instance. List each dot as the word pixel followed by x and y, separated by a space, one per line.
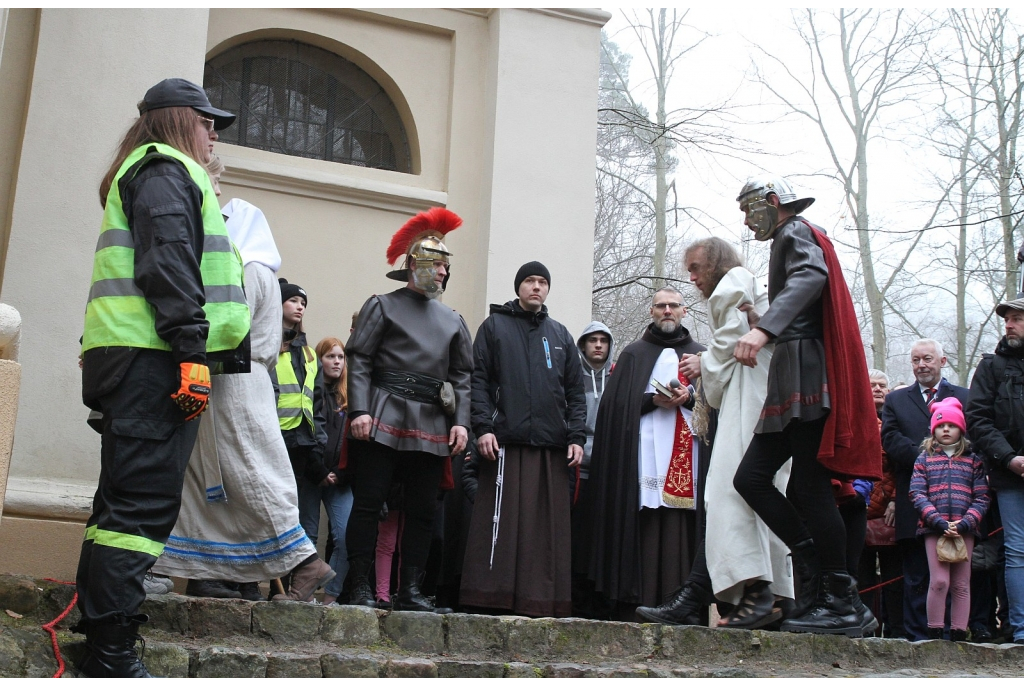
pixel 808 509
pixel 855 522
pixel 375 467
pixel 915 588
pixel 145 450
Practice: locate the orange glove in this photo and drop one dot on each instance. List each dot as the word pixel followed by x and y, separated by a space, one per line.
pixel 194 392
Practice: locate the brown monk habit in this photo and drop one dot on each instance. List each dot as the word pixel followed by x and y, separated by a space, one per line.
pixel 636 557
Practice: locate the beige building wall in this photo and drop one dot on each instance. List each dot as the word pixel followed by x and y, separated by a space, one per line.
pixel 500 108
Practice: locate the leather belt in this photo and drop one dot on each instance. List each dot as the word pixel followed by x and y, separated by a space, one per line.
pixel 418 387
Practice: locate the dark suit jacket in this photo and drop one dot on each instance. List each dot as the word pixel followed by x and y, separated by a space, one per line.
pixel 905 421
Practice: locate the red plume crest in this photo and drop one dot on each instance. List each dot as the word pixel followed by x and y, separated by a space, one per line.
pixel 436 220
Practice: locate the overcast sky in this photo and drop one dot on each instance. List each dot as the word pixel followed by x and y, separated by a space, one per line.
pixel 901 196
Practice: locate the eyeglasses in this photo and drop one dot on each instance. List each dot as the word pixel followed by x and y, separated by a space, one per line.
pixel 207 123
pixel 667 305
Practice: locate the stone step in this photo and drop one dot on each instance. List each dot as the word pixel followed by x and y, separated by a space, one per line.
pixel 200 637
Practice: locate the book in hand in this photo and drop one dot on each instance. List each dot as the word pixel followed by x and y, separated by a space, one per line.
pixel 662 388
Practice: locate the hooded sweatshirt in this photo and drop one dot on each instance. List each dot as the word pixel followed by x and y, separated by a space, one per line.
pixel 594 381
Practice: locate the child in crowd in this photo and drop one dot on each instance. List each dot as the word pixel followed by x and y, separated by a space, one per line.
pixel 948 488
pixel 389 535
pixel 337 496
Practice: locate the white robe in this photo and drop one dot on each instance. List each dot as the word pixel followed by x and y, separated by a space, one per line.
pixel 657 437
pixel 239 517
pixel 739 545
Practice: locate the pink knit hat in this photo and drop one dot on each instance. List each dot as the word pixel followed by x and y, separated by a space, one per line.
pixel 948 410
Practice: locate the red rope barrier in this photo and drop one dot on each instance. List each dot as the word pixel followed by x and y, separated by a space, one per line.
pixel 49 627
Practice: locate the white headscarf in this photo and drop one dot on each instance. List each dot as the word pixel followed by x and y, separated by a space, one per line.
pixel 250 232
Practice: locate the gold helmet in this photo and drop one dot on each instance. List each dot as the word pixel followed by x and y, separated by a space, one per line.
pixel 420 242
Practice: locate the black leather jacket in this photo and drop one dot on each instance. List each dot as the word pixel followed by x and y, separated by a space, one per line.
pixel 795 291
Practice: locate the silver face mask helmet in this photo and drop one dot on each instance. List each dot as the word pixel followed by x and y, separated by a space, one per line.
pixel 419 241
pixel 420 261
pixel 423 257
pixel 762 215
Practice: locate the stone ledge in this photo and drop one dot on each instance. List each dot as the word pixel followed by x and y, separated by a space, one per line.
pixel 203 637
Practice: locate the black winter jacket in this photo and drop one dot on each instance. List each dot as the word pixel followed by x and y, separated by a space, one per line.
pixel 527 380
pixel 995 413
pixel 310 444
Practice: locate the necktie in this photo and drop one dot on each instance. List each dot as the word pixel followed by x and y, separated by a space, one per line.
pixel 930 392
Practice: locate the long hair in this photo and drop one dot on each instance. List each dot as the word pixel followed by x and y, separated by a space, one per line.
pixel 931 446
pixel 341 390
pixel 721 258
pixel 174 126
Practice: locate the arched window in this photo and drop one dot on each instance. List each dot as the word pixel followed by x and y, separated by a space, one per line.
pixel 301 100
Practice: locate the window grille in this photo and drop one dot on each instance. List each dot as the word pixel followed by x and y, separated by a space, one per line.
pixel 298 99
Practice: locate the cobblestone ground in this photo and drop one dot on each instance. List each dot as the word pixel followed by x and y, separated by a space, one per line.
pixel 189 637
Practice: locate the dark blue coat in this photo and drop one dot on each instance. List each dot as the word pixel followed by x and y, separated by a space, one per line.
pixel 905 424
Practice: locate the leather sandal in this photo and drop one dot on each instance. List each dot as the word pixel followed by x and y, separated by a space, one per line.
pixel 755 610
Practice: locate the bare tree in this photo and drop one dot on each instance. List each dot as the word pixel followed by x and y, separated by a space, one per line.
pixel 638 230
pixel 1000 50
pixel 870 65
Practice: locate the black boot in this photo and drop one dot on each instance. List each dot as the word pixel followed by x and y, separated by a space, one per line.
pixel 682 610
pixel 868 622
pixel 409 597
pixel 249 591
pixel 361 594
pixel 934 633
pixel 807 569
pixel 958 635
pixel 831 613
pixel 110 650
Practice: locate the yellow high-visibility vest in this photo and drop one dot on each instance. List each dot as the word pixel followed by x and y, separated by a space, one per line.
pixel 117 313
pixel 295 401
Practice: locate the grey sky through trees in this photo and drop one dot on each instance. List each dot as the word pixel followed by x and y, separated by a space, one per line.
pixel 906 167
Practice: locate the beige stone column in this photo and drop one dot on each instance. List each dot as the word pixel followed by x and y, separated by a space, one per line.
pixel 539 197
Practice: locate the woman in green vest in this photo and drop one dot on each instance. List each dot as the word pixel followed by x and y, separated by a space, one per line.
pixel 165 308
pixel 299 386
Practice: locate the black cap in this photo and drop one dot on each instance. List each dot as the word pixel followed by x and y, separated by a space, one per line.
pixel 532 269
pixel 290 290
pixel 179 92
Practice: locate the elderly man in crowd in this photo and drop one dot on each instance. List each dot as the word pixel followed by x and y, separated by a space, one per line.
pixel 995 417
pixel 642 498
pixel 905 423
pixel 753 556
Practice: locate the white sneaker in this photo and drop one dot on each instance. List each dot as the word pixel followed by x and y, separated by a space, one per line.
pixel 156 586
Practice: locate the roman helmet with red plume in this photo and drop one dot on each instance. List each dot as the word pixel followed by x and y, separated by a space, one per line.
pixel 419 240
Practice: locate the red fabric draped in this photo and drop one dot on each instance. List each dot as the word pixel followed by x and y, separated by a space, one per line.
pixel 850 444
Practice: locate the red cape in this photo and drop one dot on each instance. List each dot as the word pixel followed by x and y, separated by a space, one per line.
pixel 850 444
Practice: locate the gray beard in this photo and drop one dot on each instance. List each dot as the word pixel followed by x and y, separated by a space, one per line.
pixel 1015 343
pixel 668 326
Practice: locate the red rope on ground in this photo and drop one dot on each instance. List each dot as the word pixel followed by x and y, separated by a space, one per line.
pixel 49 627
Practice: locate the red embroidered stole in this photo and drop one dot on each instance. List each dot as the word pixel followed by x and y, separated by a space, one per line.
pixel 678 490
